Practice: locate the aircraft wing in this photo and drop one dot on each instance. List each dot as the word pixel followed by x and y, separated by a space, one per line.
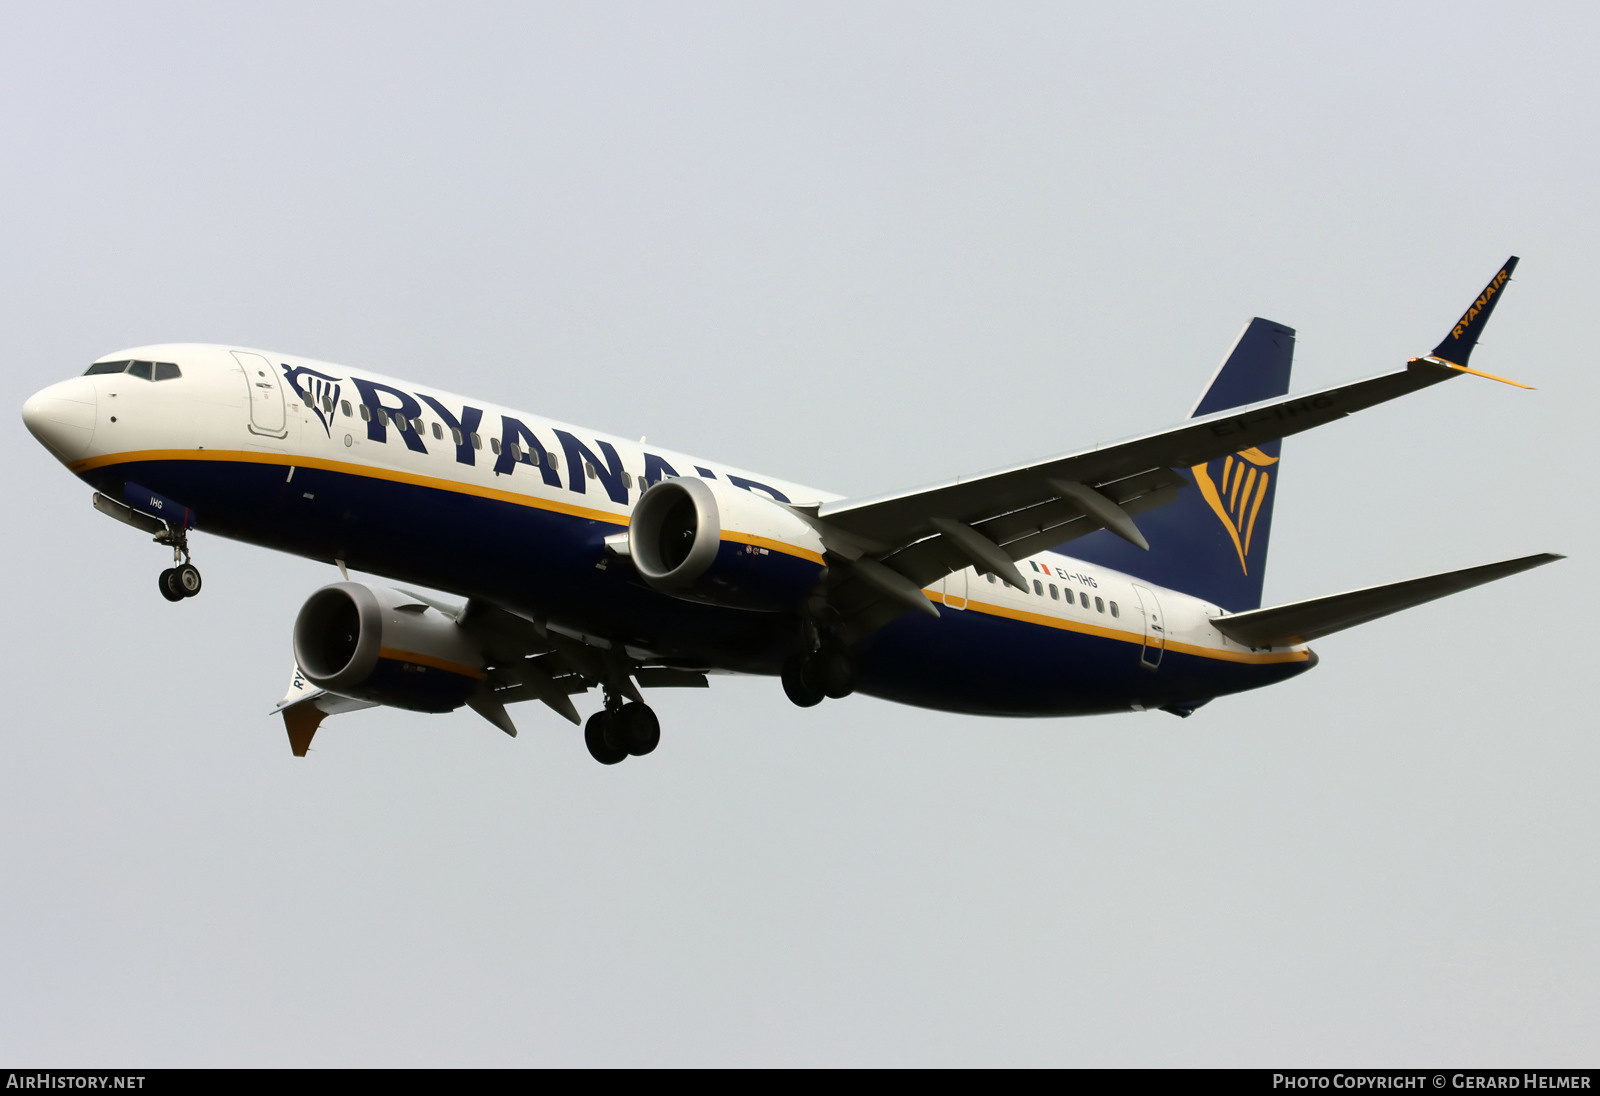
pixel 889 548
pixel 988 521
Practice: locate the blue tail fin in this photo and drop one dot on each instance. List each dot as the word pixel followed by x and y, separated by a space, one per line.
pixel 1212 540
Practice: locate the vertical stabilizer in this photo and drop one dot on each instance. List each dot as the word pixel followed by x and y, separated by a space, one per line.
pixel 1212 540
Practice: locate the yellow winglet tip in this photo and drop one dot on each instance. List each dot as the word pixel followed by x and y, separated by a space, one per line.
pixel 1481 373
pixel 1492 377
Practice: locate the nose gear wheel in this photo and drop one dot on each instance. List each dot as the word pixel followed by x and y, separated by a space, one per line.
pixel 182 579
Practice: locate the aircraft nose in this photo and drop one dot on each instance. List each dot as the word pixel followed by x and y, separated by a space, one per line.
pixel 62 417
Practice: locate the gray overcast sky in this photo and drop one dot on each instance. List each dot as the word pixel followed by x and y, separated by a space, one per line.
pixel 863 246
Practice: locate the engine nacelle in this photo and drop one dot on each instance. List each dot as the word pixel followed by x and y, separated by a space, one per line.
pixel 377 644
pixel 707 541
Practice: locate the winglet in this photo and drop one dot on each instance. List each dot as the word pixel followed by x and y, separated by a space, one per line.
pixel 1457 346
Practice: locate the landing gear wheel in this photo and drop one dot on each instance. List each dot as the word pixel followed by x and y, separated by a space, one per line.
pixel 799 684
pixel 830 668
pixel 598 741
pixel 168 583
pixel 636 729
pixel 187 579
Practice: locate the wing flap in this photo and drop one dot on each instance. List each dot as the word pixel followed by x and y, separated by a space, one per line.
pixel 1304 621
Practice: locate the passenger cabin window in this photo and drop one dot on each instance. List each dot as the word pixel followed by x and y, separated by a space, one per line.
pixel 344 405
pixel 588 470
pixel 1114 610
pixel 327 405
pixel 627 481
pixel 1099 606
pixel 514 449
pixel 989 577
pixel 455 434
pixel 554 463
pixel 1083 597
pixel 494 446
pixel 1038 587
pixel 366 413
pixel 438 433
pixel 477 441
pixel 1055 595
pixel 416 424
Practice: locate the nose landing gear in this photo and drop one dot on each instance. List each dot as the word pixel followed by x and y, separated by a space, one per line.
pixel 179 582
pixel 182 579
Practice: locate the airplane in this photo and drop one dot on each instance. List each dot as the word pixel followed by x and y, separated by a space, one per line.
pixel 579 561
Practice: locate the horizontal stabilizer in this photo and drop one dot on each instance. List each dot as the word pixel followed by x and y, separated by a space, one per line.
pixel 1303 621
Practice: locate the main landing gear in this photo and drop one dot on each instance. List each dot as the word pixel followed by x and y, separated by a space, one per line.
pixel 826 673
pixel 621 730
pixel 182 579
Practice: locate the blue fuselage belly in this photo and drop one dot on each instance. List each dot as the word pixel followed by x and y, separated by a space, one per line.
pixel 976 662
pixel 554 565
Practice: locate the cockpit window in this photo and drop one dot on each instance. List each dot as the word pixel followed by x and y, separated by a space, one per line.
pixel 150 371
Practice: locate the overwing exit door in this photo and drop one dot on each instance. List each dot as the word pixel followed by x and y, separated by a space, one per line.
pixel 1155 629
pixel 955 590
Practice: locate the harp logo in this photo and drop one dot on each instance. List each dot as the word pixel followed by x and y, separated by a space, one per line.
pixel 319 391
pixel 1236 493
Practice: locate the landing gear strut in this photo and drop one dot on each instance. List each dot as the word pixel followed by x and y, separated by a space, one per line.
pixel 182 579
pixel 621 730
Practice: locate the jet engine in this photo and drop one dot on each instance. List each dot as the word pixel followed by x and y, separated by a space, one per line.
pixel 706 541
pixel 381 645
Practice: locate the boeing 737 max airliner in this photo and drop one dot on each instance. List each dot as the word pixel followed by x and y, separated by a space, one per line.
pixel 581 561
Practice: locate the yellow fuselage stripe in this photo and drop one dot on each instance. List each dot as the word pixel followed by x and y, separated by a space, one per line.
pixel 394 655
pixel 393 475
pixel 517 499
pixel 1124 636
